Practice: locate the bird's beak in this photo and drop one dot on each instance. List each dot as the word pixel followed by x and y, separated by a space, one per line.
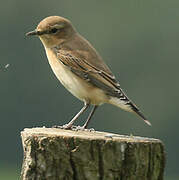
pixel 32 33
pixel 36 33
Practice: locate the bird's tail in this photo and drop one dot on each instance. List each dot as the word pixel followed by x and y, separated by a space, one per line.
pixel 125 103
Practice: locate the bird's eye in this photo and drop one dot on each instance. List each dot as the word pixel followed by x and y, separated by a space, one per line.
pixel 54 30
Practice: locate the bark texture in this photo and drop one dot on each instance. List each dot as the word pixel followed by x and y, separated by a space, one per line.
pixel 56 154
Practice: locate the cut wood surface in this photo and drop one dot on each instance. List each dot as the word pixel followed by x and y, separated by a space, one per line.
pixel 57 154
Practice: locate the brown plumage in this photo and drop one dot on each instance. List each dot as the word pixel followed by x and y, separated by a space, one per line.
pixel 80 68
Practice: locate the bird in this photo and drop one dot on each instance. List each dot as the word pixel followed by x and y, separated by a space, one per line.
pixel 80 68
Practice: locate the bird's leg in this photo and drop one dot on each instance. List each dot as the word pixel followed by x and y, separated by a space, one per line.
pixel 89 117
pixel 70 124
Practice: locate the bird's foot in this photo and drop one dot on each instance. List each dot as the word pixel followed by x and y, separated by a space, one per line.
pixel 73 128
pixel 65 126
pixel 82 128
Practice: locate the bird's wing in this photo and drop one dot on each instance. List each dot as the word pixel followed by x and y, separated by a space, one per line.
pixel 91 74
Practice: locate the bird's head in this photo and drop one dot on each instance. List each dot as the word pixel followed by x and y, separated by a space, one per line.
pixel 53 31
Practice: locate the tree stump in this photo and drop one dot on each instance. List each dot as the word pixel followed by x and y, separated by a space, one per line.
pixel 56 154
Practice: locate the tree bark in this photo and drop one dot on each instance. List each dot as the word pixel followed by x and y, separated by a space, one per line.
pixel 56 154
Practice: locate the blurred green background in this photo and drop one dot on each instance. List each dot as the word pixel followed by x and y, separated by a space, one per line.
pixel 138 39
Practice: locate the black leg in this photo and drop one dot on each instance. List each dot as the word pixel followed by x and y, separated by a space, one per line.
pixel 90 116
pixel 70 124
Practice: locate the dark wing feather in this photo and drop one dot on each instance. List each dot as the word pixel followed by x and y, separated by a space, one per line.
pixel 89 73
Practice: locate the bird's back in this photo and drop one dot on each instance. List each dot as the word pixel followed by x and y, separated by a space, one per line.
pixel 82 49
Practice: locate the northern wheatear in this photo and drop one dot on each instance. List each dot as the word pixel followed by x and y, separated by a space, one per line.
pixel 80 68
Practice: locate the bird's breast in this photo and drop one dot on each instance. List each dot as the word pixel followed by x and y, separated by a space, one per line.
pixel 77 86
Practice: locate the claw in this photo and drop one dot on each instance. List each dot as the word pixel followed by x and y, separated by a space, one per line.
pixel 73 128
pixel 66 126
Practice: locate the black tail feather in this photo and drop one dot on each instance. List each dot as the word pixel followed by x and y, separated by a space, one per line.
pixel 137 111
